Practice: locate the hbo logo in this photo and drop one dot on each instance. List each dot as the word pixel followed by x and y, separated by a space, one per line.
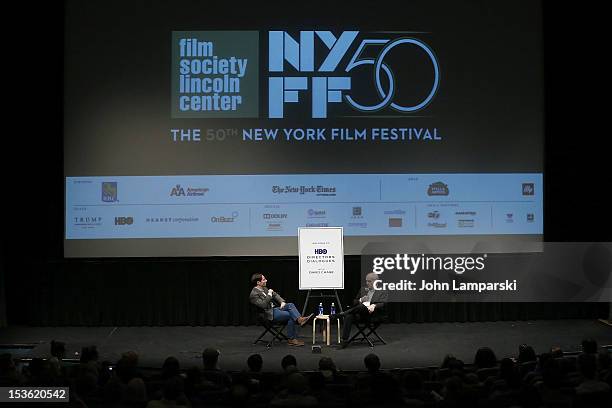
pixel 124 220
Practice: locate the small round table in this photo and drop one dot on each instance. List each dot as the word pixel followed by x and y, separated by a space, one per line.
pixel 326 333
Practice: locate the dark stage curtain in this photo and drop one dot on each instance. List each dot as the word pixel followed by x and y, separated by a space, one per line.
pixel 2 291
pixel 211 291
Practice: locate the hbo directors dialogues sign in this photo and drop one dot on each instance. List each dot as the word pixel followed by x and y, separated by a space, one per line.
pixel 321 258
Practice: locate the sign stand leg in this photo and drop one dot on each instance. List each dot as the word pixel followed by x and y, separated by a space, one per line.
pixel 305 303
pixel 321 295
pixel 338 300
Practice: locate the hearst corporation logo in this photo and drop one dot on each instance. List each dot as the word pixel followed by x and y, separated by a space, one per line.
pixel 173 219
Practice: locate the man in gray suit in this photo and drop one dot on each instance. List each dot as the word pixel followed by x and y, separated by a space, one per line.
pixel 369 304
pixel 274 308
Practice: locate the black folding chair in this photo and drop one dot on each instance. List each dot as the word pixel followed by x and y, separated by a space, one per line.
pixel 273 328
pixel 366 330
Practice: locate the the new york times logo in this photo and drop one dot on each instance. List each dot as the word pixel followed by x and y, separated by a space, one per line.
pixel 317 190
pixel 413 264
pixel 330 77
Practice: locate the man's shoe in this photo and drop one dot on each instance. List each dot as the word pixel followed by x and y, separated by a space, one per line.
pixel 295 342
pixel 344 344
pixel 302 320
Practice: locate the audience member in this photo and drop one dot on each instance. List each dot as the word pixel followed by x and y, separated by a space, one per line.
pixel 211 373
pixel 553 380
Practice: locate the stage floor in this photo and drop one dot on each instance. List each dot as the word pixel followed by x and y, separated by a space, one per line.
pixel 408 345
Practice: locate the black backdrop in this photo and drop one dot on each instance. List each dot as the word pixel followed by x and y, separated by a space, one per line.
pixel 41 288
pixel 211 292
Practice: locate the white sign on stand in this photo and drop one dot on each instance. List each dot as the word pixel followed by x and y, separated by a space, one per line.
pixel 321 261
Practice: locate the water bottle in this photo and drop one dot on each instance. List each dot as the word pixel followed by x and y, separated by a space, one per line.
pixel 320 308
pixel 332 309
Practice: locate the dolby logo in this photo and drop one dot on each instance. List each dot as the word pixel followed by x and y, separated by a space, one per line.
pixel 274 216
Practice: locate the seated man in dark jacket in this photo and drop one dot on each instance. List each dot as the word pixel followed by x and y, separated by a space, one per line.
pixel 266 299
pixel 368 304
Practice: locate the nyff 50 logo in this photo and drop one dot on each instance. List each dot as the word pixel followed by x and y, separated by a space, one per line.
pixel 330 81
